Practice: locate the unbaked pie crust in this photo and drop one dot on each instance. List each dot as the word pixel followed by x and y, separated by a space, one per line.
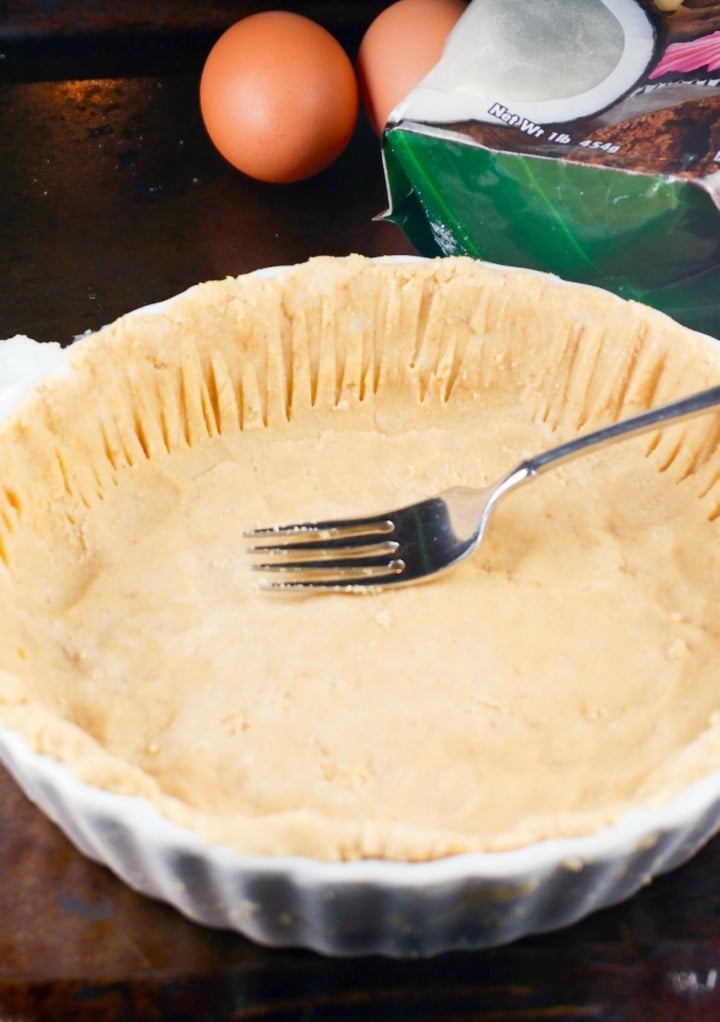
pixel 563 675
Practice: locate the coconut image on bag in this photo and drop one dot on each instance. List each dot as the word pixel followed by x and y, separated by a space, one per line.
pixel 548 61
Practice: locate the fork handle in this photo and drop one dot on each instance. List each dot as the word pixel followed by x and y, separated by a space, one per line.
pixel 663 415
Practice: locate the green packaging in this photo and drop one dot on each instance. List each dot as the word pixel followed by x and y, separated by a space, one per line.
pixel 581 139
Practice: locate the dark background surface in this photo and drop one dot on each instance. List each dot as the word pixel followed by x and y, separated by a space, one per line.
pixel 111 194
pixel 110 197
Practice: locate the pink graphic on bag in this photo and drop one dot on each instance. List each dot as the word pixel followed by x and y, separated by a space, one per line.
pixel 698 53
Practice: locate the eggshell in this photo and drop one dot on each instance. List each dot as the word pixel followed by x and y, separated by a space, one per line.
pixel 278 96
pixel 402 44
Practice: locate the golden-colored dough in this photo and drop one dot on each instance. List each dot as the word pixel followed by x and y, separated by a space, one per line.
pixel 566 672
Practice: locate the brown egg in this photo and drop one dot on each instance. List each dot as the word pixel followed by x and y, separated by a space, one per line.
pixel 278 96
pixel 402 44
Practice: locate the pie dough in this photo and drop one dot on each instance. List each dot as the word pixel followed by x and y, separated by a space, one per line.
pixel 564 674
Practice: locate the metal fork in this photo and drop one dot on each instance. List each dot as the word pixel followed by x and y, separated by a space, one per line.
pixel 414 543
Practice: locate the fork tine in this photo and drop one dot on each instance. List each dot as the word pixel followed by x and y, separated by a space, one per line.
pixel 322 532
pixel 318 550
pixel 334 576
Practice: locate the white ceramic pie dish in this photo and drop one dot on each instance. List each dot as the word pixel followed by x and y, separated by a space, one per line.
pixel 366 906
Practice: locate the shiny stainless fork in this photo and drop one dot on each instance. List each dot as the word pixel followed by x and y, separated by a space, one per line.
pixel 414 543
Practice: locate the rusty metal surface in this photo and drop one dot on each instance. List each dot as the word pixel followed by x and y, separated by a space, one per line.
pixel 113 197
pixel 57 39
